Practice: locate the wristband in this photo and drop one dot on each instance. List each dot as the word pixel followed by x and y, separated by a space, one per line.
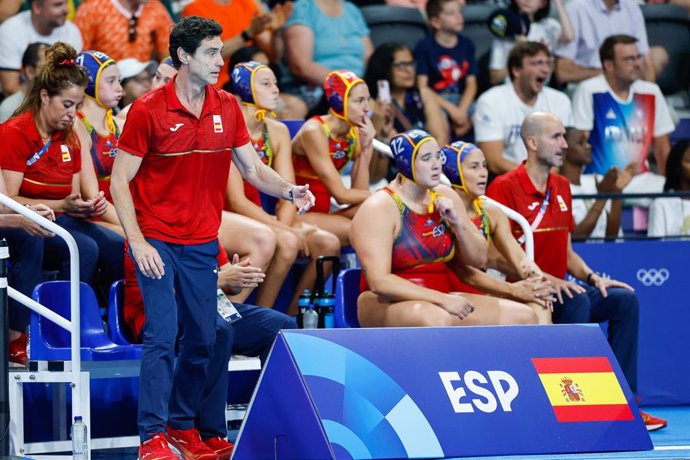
pixel 245 36
pixel 291 196
pixel 589 277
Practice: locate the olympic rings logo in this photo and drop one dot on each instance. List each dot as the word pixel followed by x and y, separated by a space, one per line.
pixel 653 277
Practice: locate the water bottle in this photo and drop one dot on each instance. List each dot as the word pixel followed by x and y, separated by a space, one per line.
pixel 310 319
pixel 325 304
pixel 302 303
pixel 79 444
pixel 324 300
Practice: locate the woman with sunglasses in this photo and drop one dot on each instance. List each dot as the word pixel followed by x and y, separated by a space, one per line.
pixel 406 236
pixel 465 166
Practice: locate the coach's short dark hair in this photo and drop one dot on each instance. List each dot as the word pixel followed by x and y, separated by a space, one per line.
pixel 523 50
pixel 606 49
pixel 188 35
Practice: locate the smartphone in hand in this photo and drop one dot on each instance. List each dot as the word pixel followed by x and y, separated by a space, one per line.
pixel 384 91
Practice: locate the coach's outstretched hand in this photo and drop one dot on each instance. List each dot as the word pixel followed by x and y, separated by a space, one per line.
pixel 302 198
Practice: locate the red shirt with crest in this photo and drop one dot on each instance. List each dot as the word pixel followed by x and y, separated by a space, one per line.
pixel 179 189
pixel 48 169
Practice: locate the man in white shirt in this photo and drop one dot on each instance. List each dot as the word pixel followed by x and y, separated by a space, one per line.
pixel 593 21
pixel 623 115
pixel 46 22
pixel 500 111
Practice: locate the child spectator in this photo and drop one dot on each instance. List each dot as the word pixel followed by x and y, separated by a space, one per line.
pixel 541 28
pixel 446 63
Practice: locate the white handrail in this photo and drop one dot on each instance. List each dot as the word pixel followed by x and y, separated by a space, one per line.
pixel 74 325
pixel 520 220
pixel 512 214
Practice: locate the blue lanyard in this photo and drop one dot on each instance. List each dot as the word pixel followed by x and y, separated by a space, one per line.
pixel 37 156
pixel 542 210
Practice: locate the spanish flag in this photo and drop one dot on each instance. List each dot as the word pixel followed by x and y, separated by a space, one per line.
pixel 583 389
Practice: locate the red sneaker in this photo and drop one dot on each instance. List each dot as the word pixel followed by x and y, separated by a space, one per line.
pixel 156 448
pixel 221 447
pixel 17 350
pixel 189 444
pixel 653 423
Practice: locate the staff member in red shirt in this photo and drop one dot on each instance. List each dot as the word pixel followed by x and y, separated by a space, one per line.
pixel 41 161
pixel 544 199
pixel 168 186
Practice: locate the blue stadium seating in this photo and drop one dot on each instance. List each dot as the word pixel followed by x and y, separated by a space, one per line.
pixel 116 331
pixel 49 342
pixel 394 24
pixel 669 26
pixel 346 293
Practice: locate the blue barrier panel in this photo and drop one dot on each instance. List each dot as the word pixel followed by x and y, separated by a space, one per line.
pixel 658 272
pixel 440 392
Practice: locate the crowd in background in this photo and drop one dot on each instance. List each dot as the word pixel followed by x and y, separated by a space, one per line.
pixel 586 62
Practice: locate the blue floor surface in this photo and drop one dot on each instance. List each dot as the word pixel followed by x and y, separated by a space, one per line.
pixel 672 442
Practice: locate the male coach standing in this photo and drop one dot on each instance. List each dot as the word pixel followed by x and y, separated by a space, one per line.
pixel 168 186
pixel 544 199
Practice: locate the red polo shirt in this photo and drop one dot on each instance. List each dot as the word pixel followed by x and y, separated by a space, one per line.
pixel 179 190
pixel 516 190
pixel 48 173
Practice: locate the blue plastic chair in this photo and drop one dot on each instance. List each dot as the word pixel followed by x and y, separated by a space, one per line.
pixel 116 331
pixel 50 342
pixel 293 126
pixel 346 293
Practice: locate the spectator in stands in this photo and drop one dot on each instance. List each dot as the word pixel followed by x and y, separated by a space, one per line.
pixel 671 216
pixel 408 108
pixel 465 166
pixel 47 22
pixel 419 4
pixel 24 239
pixel 9 8
pixel 99 132
pixel 405 234
pixel 136 79
pixel 446 64
pixel 257 88
pixel 327 145
pixel 544 199
pixel 32 59
pixel 243 21
pixel 290 107
pixel 123 29
pixel 542 28
pixel 600 218
pixel 593 21
pixel 162 75
pixel 322 36
pixel 624 116
pixel 501 110
pixel 251 335
pixel 174 242
pixel 42 161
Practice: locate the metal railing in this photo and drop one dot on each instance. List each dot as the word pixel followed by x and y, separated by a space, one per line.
pixel 513 215
pixel 72 326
